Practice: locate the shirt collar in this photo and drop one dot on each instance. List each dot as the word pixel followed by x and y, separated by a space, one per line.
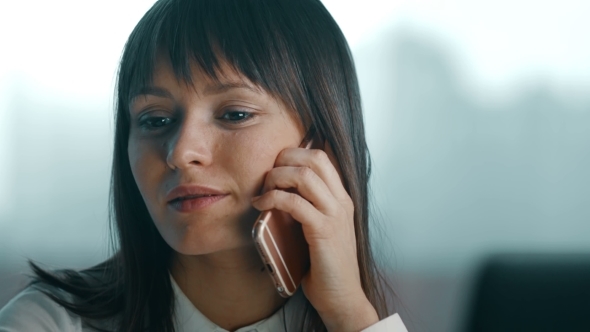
pixel 188 318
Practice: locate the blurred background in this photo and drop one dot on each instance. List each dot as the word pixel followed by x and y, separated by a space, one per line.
pixel 477 116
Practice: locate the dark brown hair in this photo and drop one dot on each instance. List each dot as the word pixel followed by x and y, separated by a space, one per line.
pixel 292 49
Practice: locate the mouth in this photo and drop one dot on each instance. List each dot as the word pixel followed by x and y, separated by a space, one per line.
pixel 193 203
pixel 184 198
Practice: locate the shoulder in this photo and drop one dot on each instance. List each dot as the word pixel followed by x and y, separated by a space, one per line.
pixel 33 310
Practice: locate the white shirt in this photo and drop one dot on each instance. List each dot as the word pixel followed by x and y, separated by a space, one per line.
pixel 31 310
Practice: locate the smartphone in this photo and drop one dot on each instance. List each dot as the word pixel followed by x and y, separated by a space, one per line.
pixel 280 241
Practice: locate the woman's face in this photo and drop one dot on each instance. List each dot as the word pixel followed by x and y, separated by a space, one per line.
pixel 225 137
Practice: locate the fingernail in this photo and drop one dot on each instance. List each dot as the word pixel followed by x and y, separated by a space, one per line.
pixel 255 198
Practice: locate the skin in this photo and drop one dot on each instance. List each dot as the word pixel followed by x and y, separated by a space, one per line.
pixel 194 136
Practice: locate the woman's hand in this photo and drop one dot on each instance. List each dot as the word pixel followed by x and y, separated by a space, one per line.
pixel 326 213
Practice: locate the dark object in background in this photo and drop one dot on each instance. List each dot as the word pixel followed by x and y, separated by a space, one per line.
pixel 531 292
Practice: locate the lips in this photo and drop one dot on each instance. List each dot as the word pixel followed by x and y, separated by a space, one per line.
pixel 189 197
pixel 188 191
pixel 197 203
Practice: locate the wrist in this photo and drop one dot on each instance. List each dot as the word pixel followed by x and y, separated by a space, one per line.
pixel 355 318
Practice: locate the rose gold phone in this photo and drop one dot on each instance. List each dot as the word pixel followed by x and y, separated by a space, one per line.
pixel 280 241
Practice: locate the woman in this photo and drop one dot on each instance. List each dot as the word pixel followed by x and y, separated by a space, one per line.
pixel 213 99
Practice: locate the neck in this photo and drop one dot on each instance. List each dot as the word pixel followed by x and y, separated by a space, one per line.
pixel 231 287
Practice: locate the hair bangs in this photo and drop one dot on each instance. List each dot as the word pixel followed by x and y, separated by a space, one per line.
pixel 249 37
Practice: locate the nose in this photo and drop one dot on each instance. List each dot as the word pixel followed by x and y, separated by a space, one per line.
pixel 190 145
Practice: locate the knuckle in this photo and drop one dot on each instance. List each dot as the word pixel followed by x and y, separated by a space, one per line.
pixel 294 201
pixel 348 206
pixel 274 194
pixel 350 203
pixel 351 209
pixel 320 156
pixel 305 172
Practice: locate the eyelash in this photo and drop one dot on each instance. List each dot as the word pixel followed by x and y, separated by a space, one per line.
pixel 146 122
pixel 249 115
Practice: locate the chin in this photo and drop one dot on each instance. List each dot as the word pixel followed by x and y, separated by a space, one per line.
pixel 208 234
pixel 207 243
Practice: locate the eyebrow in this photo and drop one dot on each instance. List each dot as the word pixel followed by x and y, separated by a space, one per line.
pixel 210 90
pixel 152 90
pixel 225 86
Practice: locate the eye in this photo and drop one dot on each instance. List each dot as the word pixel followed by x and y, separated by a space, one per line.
pixel 155 122
pixel 237 116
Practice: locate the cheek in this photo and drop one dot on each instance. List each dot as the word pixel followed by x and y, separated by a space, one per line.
pixel 251 157
pixel 258 152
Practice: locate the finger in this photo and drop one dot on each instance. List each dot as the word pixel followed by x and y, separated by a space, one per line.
pixel 307 184
pixel 299 208
pixel 320 163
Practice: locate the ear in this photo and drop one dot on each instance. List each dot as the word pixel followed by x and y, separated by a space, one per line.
pixel 328 149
